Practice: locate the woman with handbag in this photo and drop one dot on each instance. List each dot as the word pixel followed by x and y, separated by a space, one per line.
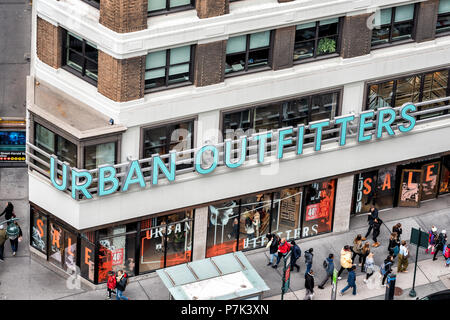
pixel 15 241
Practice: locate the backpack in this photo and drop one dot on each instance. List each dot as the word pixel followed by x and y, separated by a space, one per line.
pixel 447 252
pixel 325 264
pixel 431 237
pixel 383 267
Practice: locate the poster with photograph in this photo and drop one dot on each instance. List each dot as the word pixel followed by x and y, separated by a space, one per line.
pixel 410 188
pixel 444 186
pixel 385 187
pixel 366 184
pixel 430 174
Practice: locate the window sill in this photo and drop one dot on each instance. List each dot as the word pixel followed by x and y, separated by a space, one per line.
pixel 166 12
pixel 174 86
pixel 392 44
pixel 322 57
pixel 79 75
pixel 240 73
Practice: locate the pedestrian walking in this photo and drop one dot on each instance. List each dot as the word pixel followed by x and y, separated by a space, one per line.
pixel 432 237
pixel 14 241
pixel 369 267
pixel 273 246
pixel 365 253
pixel 386 268
pixel 346 260
pixel 296 253
pixel 111 284
pixel 3 237
pixel 370 219
pixel 309 285
pixel 328 265
pixel 283 250
pixel 121 284
pixel 398 229
pixel 403 257
pixel 309 259
pixel 440 243
pixel 357 248
pixel 8 211
pixel 394 245
pixel 376 231
pixel 447 255
pixel 351 281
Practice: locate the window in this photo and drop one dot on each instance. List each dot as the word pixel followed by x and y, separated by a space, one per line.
pixel 443 21
pixel 80 57
pixel 87 255
pixel 38 230
pixel 281 114
pixel 156 7
pixel 248 52
pixel 393 24
pixel 179 137
pixel 94 3
pixel 170 67
pixel 414 88
pixel 316 39
pixel 97 155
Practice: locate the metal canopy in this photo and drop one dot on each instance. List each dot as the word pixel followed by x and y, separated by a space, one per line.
pixel 225 277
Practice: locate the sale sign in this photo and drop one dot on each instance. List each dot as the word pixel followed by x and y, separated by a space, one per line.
pixel 312 211
pixel 117 257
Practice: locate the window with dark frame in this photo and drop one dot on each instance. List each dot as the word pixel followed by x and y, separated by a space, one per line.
pixel 413 88
pixel 94 3
pixel 316 39
pixel 169 68
pixel 80 57
pixel 249 51
pixel 156 7
pixel 443 20
pixel 177 136
pixel 394 24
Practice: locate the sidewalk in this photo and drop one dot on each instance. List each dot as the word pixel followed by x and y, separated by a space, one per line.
pixel 23 277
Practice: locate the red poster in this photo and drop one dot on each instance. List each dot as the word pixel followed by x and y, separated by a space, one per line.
pixel 117 257
pixel 312 212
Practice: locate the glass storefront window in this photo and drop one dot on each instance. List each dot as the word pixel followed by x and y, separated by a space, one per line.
pixel 430 175
pixel 39 231
pixel 87 261
pixel 319 202
pixel 166 241
pixel 286 217
pixel 445 176
pixel 223 228
pixel 70 250
pixel 56 248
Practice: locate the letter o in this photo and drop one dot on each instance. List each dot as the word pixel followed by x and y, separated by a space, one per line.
pixel 198 159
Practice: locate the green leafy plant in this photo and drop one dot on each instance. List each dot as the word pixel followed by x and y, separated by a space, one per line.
pixel 326 45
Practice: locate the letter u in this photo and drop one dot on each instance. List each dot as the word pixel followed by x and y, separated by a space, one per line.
pixel 228 162
pixel 53 172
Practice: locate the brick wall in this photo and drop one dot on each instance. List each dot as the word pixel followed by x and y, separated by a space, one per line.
pixel 124 15
pixel 209 67
pixel 211 8
pixel 121 79
pixel 426 20
pixel 356 36
pixel 283 48
pixel 48 43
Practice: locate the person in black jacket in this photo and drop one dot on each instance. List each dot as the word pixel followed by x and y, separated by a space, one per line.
pixel 274 241
pixel 309 285
pixel 15 241
pixel 121 283
pixel 388 262
pixel 440 243
pixel 296 253
pixel 8 211
pixel 370 219
pixel 376 231
pixel 398 229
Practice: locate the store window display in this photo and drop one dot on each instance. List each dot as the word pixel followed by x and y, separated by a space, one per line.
pixel 286 218
pixel 445 176
pixel 39 230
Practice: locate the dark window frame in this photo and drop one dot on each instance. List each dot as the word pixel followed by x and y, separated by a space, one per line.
pixel 168 9
pixel 72 70
pixel 443 33
pixel 247 52
pixel 391 26
pixel 93 3
pixel 167 66
pixel 316 57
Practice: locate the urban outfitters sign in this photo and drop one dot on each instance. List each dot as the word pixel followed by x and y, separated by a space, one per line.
pixel 108 183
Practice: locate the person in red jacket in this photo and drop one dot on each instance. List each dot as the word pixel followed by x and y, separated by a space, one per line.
pixel 283 250
pixel 111 284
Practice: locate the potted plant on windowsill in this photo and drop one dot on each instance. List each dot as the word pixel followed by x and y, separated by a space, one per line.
pixel 326 45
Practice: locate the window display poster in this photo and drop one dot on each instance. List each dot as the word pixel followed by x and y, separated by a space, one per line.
pixel 117 257
pixel 39 236
pixel 430 174
pixel 366 183
pixel 410 188
pixel 318 215
pixel 445 176
pixel 385 187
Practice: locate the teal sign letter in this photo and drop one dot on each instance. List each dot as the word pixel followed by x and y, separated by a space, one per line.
pixel 159 164
pixel 53 173
pixel 198 159
pixel 76 174
pixel 103 179
pixel 282 142
pixel 134 168
pixel 241 160
pixel 404 114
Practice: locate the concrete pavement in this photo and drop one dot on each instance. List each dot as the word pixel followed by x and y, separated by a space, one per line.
pixel 24 277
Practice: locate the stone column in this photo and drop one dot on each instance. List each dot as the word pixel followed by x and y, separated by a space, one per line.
pixel 283 48
pixel 49 43
pixel 121 79
pixel 356 36
pixel 342 210
pixel 200 233
pixel 209 67
pixel 124 15
pixel 426 20
pixel 211 8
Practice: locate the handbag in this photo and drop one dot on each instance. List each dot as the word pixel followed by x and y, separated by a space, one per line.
pixel 269 244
